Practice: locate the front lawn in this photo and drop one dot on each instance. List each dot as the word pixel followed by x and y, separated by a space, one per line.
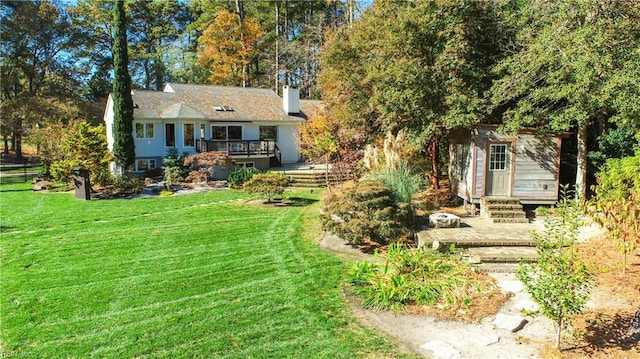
pixel 200 275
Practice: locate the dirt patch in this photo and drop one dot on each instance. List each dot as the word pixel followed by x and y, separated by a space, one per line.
pixel 601 331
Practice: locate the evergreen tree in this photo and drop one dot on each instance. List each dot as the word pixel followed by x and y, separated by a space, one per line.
pixel 123 147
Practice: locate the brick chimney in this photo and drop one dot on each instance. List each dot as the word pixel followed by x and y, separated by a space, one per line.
pixel 290 100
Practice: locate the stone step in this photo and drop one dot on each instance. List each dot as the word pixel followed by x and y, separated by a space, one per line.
pixel 504 254
pixel 506 214
pixel 510 220
pixel 500 200
pixel 497 267
pixel 471 242
pixel 503 207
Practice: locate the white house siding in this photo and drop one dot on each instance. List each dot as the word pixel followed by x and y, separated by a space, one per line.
pixel 287 142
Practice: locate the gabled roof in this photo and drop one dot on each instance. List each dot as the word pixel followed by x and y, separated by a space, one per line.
pixel 183 101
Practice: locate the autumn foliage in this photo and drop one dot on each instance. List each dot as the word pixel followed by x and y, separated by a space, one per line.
pixel 227 46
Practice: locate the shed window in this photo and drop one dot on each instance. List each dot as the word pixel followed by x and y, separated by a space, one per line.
pixel 498 157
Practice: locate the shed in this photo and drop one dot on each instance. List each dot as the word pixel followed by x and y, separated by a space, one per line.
pixel 485 163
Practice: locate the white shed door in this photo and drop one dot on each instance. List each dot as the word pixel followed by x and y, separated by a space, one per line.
pixel 498 173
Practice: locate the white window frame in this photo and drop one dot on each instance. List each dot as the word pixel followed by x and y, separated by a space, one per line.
pixel 145 130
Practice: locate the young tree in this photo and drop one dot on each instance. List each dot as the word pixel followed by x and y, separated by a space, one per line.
pixel 123 147
pixel 560 279
pixel 266 184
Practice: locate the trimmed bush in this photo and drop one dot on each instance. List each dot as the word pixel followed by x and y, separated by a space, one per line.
pixel 366 211
pixel 267 184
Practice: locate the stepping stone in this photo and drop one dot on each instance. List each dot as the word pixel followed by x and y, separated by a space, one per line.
pixel 512 323
pixel 512 286
pixel 527 306
pixel 441 350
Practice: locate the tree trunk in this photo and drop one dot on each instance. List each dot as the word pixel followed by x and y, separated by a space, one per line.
pixel 432 153
pixel 277 57
pixel 581 168
pixel 5 150
pixel 245 65
pixel 558 332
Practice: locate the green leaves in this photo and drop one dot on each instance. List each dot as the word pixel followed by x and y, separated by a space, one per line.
pixel 560 279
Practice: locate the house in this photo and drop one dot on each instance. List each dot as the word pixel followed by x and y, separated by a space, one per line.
pixel 484 163
pixel 254 126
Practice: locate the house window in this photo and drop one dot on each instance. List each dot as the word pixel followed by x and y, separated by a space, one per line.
pixel 268 133
pixel 202 130
pixel 170 134
pixel 144 130
pixel 226 132
pixel 497 157
pixel 145 164
pixel 246 164
pixel 189 134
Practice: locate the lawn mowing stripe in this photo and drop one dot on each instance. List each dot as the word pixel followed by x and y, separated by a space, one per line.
pixel 212 312
pixel 254 270
pixel 187 251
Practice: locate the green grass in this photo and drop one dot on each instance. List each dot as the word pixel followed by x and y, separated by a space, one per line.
pixel 201 275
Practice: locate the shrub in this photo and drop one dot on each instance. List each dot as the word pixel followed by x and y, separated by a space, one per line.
pixel 419 276
pixel 71 146
pixel 364 211
pixel 127 183
pixel 267 184
pixel 203 165
pixel 240 175
pixel 617 203
pixel 173 168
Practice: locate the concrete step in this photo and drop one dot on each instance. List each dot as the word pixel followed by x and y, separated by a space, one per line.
pixel 504 254
pixel 471 242
pixel 497 267
pixel 506 214
pixel 503 207
pixel 510 220
pixel 500 200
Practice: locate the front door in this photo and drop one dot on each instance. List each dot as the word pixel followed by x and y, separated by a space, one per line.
pixel 498 174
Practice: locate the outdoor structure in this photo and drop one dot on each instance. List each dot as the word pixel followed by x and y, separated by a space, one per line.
pixel 254 126
pixel 485 163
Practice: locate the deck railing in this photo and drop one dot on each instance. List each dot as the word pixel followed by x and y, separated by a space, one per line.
pixel 267 148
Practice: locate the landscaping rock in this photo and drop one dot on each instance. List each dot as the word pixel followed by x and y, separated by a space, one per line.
pixel 444 220
pixel 441 350
pixel 634 329
pixel 512 323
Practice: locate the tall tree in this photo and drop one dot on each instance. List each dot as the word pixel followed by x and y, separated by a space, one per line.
pixel 228 46
pixel 575 66
pixel 123 147
pixel 36 83
pixel 422 67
